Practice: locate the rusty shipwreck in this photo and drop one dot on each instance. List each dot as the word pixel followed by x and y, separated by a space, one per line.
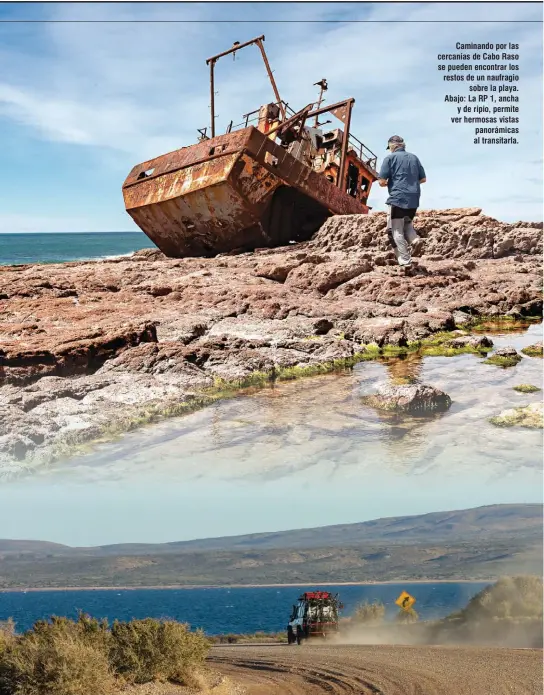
pixel 269 181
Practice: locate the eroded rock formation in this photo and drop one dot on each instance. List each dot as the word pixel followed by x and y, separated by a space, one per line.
pixel 83 342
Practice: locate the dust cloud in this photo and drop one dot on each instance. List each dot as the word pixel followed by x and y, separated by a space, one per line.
pixel 506 614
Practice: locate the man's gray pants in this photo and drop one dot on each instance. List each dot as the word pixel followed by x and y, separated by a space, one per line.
pixel 404 235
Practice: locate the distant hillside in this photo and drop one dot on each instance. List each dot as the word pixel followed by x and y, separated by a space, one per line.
pixel 499 521
pixel 17 547
pixel 482 543
pixel 366 562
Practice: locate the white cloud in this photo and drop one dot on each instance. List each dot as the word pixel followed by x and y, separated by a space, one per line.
pixel 134 90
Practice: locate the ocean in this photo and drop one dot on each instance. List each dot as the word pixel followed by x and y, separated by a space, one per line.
pixel 221 610
pixel 55 248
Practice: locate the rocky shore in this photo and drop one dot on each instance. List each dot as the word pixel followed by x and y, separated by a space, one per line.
pixel 89 349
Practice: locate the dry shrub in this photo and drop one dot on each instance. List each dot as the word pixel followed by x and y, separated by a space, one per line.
pixel 7 631
pixel 54 662
pixel 510 597
pixel 369 613
pixel 149 649
pixel 407 616
pixel 88 630
pixel 7 627
pixel 507 613
pixel 85 657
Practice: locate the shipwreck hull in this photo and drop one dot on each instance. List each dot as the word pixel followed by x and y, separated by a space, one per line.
pixel 239 190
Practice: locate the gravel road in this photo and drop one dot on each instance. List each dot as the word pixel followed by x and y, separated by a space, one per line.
pixel 381 670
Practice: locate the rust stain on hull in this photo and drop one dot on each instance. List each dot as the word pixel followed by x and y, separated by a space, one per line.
pixel 211 197
pixel 254 186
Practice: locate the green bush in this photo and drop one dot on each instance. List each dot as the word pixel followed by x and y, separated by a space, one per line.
pixel 369 613
pixel 148 649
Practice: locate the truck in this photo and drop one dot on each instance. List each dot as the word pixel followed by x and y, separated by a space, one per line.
pixel 316 614
pixel 270 180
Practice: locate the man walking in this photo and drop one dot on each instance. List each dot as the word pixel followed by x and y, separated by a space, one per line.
pixel 402 173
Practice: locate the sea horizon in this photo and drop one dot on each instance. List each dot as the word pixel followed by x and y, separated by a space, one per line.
pixel 182 587
pixel 64 247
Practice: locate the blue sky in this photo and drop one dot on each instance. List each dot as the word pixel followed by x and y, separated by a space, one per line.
pixel 81 103
pixel 128 510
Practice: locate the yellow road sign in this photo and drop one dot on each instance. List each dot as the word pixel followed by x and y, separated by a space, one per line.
pixel 405 601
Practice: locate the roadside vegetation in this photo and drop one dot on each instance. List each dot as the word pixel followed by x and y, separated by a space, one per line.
pixel 368 613
pixel 407 616
pixel 66 657
pixel 508 613
pixel 517 598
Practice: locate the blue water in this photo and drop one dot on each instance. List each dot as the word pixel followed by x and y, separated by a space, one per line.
pixel 220 611
pixel 54 248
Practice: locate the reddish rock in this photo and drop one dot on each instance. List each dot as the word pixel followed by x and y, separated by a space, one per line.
pixel 275 271
pixel 408 398
pixel 507 351
pixel 326 276
pixel 22 360
pixel 477 342
pixel 85 343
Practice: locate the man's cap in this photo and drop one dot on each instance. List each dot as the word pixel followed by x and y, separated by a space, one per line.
pixel 395 139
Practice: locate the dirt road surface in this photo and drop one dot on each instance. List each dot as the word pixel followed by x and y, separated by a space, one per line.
pixel 381 670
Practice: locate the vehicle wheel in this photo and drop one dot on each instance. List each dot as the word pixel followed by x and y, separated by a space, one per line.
pixel 290 635
pixel 300 635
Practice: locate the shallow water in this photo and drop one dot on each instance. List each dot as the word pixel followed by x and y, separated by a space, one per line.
pixel 300 454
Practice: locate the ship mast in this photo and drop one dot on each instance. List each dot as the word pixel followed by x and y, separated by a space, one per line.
pixel 236 47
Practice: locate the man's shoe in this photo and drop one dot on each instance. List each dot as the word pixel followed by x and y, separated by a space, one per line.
pixel 417 245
